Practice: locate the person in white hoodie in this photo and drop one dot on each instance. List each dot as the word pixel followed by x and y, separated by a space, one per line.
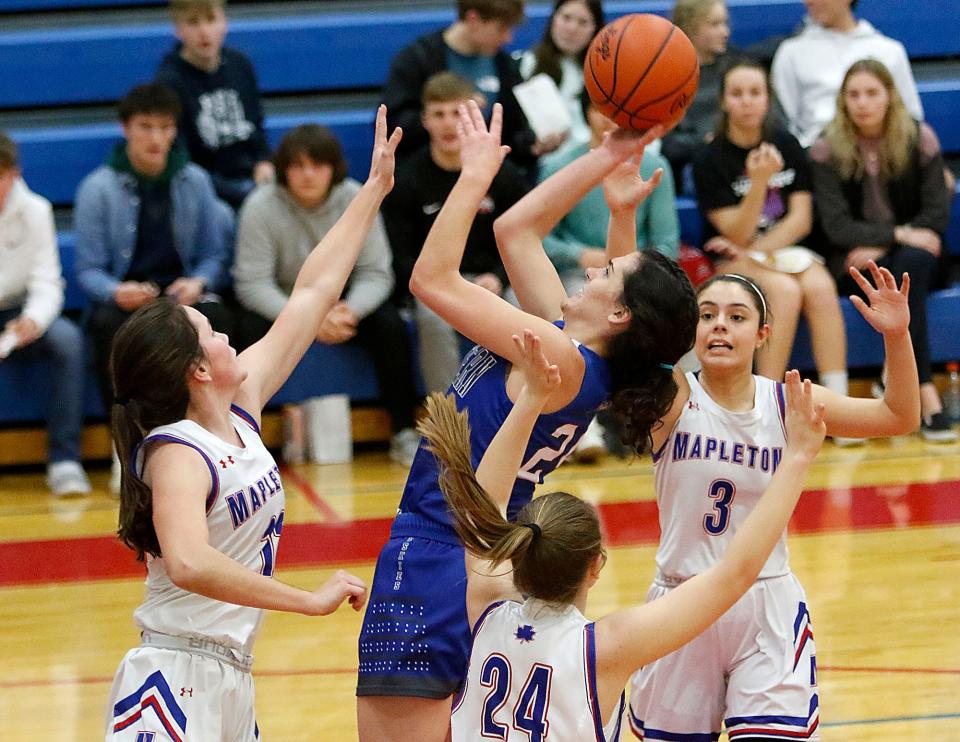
pixel 808 68
pixel 31 298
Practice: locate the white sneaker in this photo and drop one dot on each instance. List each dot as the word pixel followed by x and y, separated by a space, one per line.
pixel 67 478
pixel 404 445
pixel 114 483
pixel 591 446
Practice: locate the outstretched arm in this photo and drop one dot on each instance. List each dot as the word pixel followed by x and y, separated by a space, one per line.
pixel 320 281
pixel 624 190
pixel 520 231
pixel 633 637
pixel 472 310
pixel 898 412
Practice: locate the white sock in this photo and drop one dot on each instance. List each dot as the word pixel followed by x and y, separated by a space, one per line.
pixel 835 381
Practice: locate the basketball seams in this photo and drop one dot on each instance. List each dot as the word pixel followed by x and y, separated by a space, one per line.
pixel 694 73
pixel 616 56
pixel 636 86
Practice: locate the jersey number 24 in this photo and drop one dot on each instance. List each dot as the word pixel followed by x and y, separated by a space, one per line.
pixel 530 713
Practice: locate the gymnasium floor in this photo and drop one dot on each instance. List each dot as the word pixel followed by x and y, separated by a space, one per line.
pixel 875 541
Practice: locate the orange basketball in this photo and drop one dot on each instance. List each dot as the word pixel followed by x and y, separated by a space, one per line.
pixel 641 70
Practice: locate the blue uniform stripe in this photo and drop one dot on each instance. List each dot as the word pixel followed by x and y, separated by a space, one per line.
pixel 793 721
pixel 247 417
pixel 155 680
pixel 215 484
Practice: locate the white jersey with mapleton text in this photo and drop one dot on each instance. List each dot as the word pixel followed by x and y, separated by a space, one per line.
pixel 244 520
pixel 532 675
pixel 710 473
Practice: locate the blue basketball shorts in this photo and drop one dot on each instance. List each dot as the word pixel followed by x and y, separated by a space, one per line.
pixel 415 639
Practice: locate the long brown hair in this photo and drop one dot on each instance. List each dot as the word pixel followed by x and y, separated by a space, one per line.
pixel 899 129
pixel 550 559
pixel 548 55
pixel 153 351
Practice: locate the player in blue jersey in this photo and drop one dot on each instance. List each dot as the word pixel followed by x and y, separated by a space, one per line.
pixel 613 342
pixel 538 668
pixel 201 498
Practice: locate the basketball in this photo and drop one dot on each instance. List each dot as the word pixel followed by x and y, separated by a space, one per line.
pixel 641 70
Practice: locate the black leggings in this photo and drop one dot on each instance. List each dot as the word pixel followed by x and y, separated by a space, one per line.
pixel 923 268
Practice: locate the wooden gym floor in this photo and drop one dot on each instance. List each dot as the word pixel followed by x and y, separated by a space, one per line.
pixel 875 541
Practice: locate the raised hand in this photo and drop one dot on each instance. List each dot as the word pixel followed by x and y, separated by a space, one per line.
pixel 623 143
pixel 804 420
pixel 342 586
pixel 541 378
pixel 624 189
pixel 481 153
pixel 383 160
pixel 887 310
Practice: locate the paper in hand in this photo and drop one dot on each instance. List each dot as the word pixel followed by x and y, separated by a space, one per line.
pixel 542 104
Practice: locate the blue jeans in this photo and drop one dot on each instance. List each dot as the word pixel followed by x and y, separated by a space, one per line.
pixel 62 346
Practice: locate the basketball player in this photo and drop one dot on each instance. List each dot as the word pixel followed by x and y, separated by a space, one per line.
pixel 616 340
pixel 201 498
pixel 720 444
pixel 537 666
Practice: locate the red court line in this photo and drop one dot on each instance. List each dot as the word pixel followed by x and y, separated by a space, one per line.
pixel 625 523
pixel 314 497
pixel 905 670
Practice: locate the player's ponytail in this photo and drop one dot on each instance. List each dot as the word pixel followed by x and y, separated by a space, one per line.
pixel 151 355
pixel 663 326
pixel 555 538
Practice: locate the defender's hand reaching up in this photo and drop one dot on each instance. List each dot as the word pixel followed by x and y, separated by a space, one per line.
pixel 804 420
pixel 887 311
pixel 383 160
pixel 624 189
pixel 481 153
pixel 541 378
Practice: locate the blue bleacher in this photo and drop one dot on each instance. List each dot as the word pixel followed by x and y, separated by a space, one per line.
pixel 92 62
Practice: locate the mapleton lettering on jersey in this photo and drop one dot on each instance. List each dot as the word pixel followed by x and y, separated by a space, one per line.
pixel 696 447
pixel 245 502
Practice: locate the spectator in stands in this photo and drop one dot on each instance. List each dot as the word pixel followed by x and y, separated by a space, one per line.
pixel 878 178
pixel 707 24
pixel 424 181
pixel 472 47
pixel 31 298
pixel 560 54
pixel 755 194
pixel 280 223
pixel 578 242
pixel 808 68
pixel 221 121
pixel 148 222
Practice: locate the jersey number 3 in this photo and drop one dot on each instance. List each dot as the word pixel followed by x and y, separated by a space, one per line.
pixel 722 492
pixel 530 713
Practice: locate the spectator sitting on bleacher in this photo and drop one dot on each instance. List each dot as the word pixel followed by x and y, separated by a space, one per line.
pixel 878 179
pixel 280 223
pixel 755 194
pixel 423 182
pixel 31 298
pixel 807 69
pixel 560 55
pixel 578 242
pixel 472 47
pixel 147 222
pixel 221 121
pixel 707 24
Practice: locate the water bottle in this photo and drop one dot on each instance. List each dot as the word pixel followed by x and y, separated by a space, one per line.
pixel 951 399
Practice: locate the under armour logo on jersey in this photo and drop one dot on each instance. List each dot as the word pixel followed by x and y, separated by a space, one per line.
pixel 693 405
pixel 525 634
pixel 226 462
pixel 186 692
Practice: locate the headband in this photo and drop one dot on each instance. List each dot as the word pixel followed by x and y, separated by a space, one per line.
pixel 755 289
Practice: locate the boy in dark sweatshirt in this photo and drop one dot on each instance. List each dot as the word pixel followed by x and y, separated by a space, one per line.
pixel 222 119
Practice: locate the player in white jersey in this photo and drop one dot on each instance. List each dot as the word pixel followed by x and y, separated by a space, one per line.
pixel 754 671
pixel 201 498
pixel 538 669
